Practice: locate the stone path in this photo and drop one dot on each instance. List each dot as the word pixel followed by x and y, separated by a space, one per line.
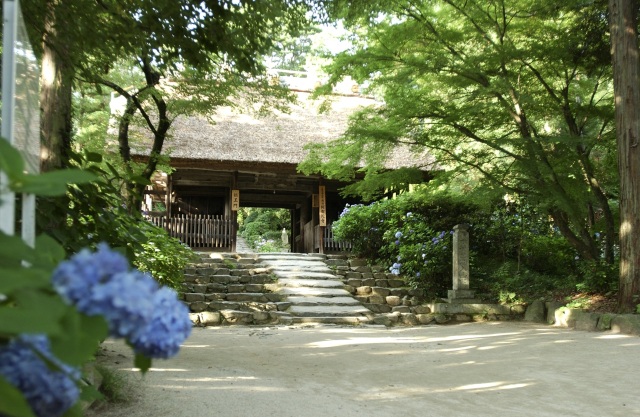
pixel 315 293
pixel 242 246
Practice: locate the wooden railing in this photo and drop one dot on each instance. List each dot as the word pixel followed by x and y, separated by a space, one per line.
pixel 196 230
pixel 330 243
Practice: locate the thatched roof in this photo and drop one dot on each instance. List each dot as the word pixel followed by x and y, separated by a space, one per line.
pixel 278 138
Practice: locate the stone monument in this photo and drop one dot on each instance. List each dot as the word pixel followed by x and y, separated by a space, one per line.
pixel 461 292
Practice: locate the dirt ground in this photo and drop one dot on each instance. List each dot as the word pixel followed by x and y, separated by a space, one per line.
pixel 474 369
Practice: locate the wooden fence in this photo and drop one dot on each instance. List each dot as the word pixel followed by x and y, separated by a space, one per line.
pixel 330 243
pixel 197 230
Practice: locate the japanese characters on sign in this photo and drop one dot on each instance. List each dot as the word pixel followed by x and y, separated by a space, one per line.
pixel 322 204
pixel 235 200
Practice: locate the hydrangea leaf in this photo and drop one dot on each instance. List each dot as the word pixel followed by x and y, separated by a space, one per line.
pixel 143 362
pixel 15 278
pixel 52 183
pixel 81 338
pixel 11 161
pixel 49 252
pixel 13 249
pixel 13 403
pixel 33 312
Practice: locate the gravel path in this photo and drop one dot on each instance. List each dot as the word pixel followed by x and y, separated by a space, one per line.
pixel 474 370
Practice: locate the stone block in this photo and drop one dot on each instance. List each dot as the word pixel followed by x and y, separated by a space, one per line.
pixel 536 312
pixel 393 300
pixel 551 307
pixel 587 321
pixel 396 283
pixel 257 297
pixel 383 320
pixel 369 282
pixel 381 282
pixel 626 323
pixel 362 269
pixel 261 316
pixel 198 306
pixel 281 317
pixel 423 309
pixel 409 319
pixel 233 288
pixel 378 308
pixel 441 318
pixel 398 292
pixel 462 318
pixel 205 318
pixel 361 298
pixel 382 291
pixel 565 317
pixel 336 262
pixel 380 275
pixel 223 305
pixel 213 287
pixel 283 305
pixel 206 271
pixel 223 271
pixel 364 290
pixel 190 278
pixel 356 262
pixel 354 282
pixel 353 275
pixel 254 287
pixel 190 297
pixel 221 279
pixel 367 275
pixel 349 288
pixel 244 279
pixel 216 296
pixel 426 318
pixel 376 299
pixel 605 321
pixel 273 297
pixel 261 279
pixel 401 309
pixel 202 279
pixel 199 287
pixel 237 317
pixel 518 309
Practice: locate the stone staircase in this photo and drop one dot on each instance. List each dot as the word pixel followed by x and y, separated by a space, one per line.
pixel 315 293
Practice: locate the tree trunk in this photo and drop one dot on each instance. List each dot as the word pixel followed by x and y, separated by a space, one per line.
pixel 624 50
pixel 56 93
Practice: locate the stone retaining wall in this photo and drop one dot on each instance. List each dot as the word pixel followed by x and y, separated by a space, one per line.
pixel 232 290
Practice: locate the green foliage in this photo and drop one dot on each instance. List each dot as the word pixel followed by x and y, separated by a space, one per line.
pixel 523 103
pixel 95 212
pixel 115 386
pixel 164 257
pixel 516 252
pixel 262 228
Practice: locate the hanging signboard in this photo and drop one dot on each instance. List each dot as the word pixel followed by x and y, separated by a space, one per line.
pixel 235 200
pixel 322 203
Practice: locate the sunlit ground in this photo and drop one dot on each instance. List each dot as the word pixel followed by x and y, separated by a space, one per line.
pixel 474 369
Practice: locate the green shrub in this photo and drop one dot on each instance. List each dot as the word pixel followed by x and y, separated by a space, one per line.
pixel 162 256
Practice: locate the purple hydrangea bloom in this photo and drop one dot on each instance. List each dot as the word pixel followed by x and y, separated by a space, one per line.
pixel 49 392
pixel 170 325
pixel 395 268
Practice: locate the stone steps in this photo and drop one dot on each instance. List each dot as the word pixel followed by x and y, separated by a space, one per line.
pixel 316 294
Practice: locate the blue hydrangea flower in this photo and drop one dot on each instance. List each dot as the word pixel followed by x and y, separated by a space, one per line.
pixel 170 325
pixel 73 279
pixel 441 236
pixel 125 301
pixel 398 235
pixel 49 392
pixel 395 268
pixel 397 242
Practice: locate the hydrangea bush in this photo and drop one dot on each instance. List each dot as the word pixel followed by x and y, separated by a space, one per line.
pixel 54 313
